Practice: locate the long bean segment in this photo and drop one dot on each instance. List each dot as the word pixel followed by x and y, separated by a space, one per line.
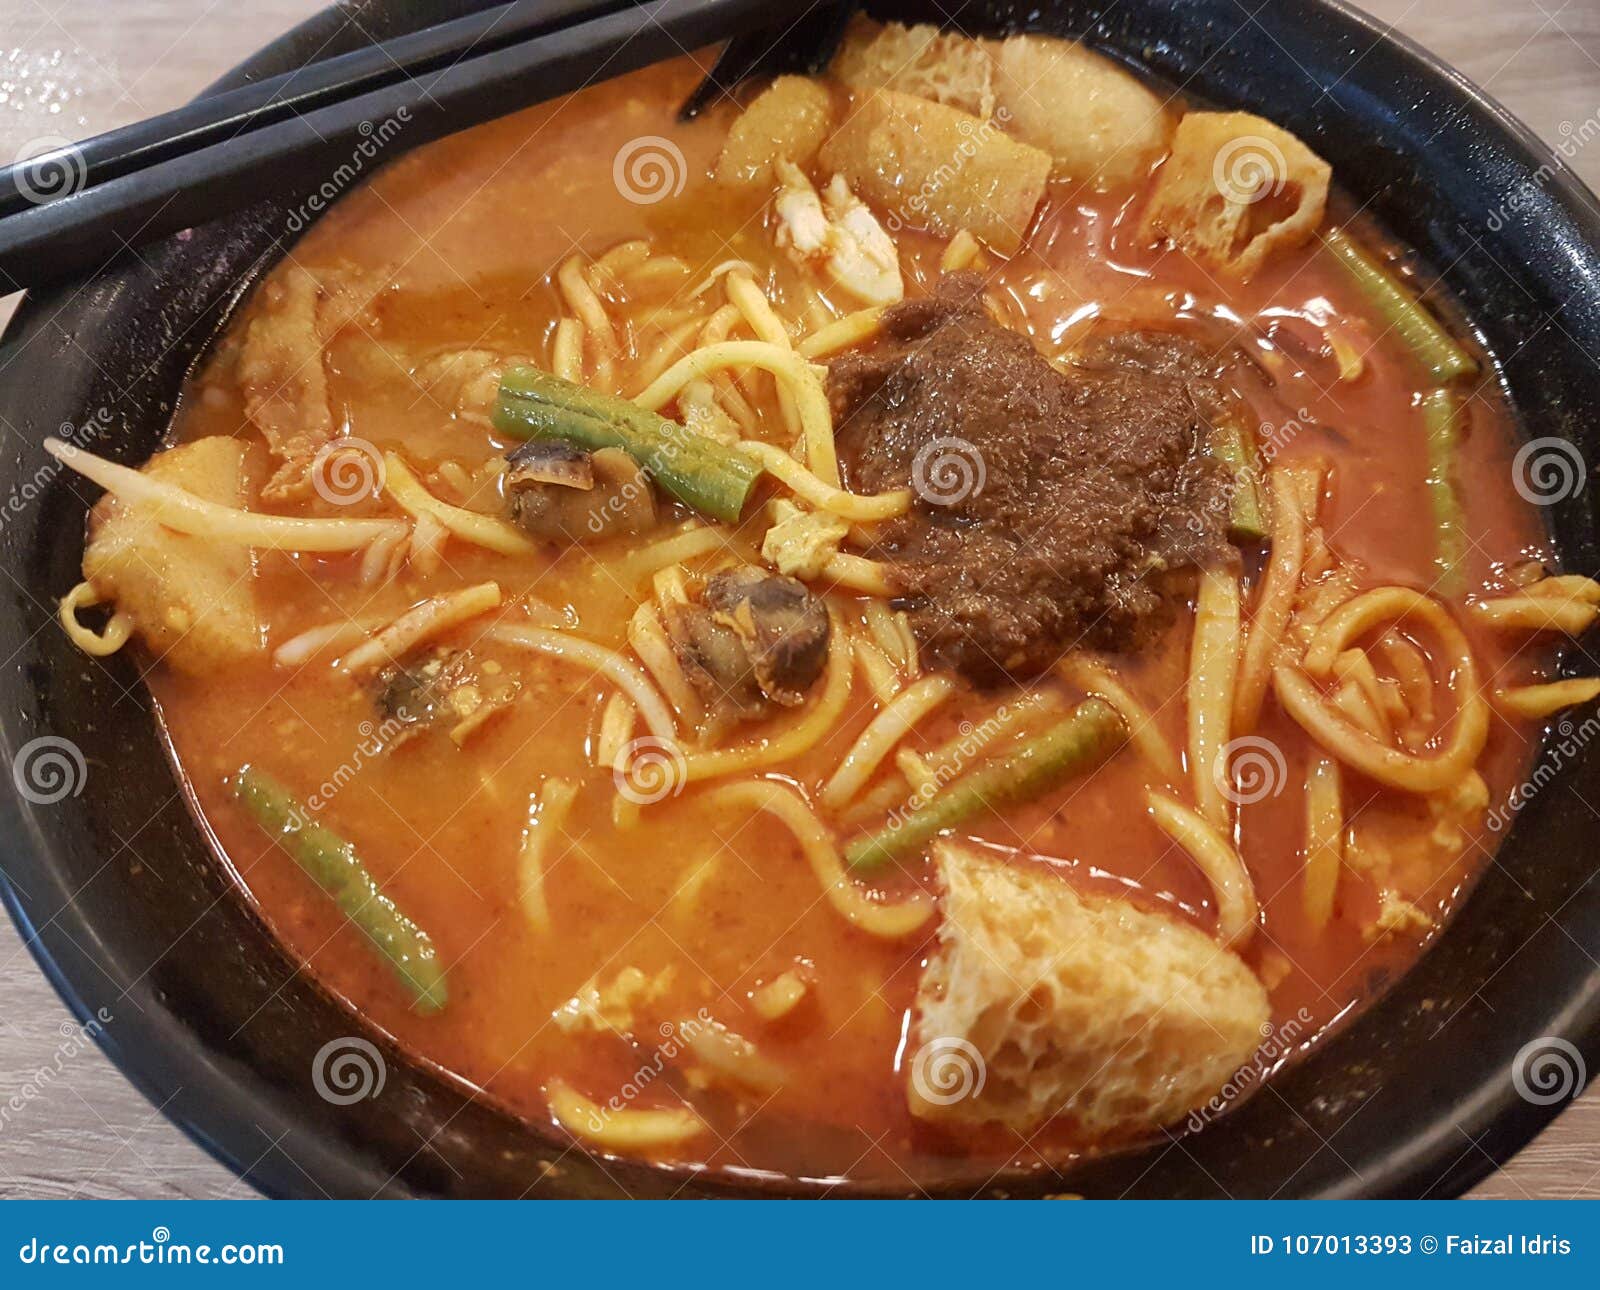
pixel 1090 734
pixel 1402 311
pixel 701 473
pixel 1233 444
pixel 1441 419
pixel 331 862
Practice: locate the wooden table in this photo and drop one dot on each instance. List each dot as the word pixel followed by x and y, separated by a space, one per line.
pixel 76 67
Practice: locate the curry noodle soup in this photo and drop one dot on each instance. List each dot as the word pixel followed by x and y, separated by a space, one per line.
pixel 963 610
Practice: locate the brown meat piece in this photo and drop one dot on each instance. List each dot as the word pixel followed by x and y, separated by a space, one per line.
pixel 1050 509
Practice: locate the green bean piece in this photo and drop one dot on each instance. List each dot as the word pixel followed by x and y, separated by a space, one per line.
pixel 1090 734
pixel 331 862
pixel 1234 445
pixel 1402 311
pixel 701 473
pixel 1441 419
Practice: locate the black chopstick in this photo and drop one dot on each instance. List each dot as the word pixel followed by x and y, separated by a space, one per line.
pixel 218 117
pixel 84 231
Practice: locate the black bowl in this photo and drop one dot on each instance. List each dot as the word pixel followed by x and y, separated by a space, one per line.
pixel 134 920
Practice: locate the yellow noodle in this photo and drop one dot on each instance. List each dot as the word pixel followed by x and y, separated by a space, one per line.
pixel 1567 586
pixel 547 817
pixel 716 330
pixel 844 333
pixel 566 351
pixel 469 526
pixel 617 719
pixel 596 658
pixel 671 347
pixel 716 271
pixel 821 494
pixel 647 560
pixel 1538 701
pixel 1273 603
pixel 426 551
pixel 886 631
pixel 802 379
pixel 1385 697
pixel 624 1129
pixel 908 639
pixel 1324 840
pixel 1411 668
pixel 733 1056
pixel 1143 733
pixel 580 297
pixel 1213 664
pixel 857 573
pixel 882 679
pixel 95 644
pixel 1536 613
pixel 382 558
pixel 916 770
pixel 1234 893
pixel 178 508
pixel 758 315
pixel 898 718
pixel 777 998
pixel 1351 700
pixel 795 739
pixel 889 921
pixel 422 622
pixel 649 640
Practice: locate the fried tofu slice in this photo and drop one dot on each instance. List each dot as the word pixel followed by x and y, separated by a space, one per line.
pixel 939 168
pixel 1235 190
pixel 191 600
pixel 1099 124
pixel 787 121
pixel 946 67
pixel 1045 1002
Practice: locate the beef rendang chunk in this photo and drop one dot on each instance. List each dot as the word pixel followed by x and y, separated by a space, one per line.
pixel 1050 510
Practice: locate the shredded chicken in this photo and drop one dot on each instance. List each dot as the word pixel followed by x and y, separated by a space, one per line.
pixel 839 231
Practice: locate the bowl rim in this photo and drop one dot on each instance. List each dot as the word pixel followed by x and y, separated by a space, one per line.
pixel 1430 1156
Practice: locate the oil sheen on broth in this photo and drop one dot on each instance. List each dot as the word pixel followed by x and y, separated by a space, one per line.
pixel 680 927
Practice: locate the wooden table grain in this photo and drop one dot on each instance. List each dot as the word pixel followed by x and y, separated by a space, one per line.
pixel 71 1125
